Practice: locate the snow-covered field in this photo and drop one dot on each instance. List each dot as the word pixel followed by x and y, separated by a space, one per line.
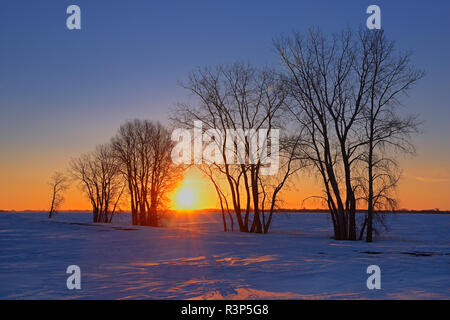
pixel 194 259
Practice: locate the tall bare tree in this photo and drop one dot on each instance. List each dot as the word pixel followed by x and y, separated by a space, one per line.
pixel 58 183
pixel 386 130
pixel 99 176
pixel 333 84
pixel 320 80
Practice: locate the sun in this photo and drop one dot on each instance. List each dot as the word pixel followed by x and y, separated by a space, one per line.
pixel 185 198
pixel 194 192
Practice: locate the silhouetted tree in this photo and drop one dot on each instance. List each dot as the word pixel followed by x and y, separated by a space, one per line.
pixel 58 183
pixel 271 186
pixel 342 92
pixel 143 149
pixel 386 130
pixel 98 173
pixel 242 99
pixel 212 171
pixel 320 77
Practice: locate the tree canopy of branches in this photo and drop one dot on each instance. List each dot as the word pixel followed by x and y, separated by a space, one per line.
pixel 143 150
pixel 58 183
pixel 98 173
pixel 244 99
pixel 343 91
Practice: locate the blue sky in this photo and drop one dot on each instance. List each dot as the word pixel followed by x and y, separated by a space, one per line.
pixel 62 91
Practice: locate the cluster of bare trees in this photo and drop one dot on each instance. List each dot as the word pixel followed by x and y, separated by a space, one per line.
pixel 245 99
pixel 341 96
pixel 143 149
pixel 344 93
pixel 136 160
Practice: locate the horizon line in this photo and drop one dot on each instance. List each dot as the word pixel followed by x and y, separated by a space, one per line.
pixel 324 210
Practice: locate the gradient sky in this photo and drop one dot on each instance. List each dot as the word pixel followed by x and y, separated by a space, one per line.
pixel 62 92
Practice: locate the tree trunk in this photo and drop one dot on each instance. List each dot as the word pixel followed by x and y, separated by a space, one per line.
pixel 361 234
pixel 370 198
pixel 50 213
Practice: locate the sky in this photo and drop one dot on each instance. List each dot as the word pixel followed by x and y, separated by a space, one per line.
pixel 64 91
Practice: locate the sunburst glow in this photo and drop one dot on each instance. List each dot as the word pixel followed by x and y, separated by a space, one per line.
pixel 185 198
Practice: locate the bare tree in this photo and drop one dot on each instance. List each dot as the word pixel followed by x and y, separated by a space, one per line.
pixel 386 130
pixel 58 183
pixel 99 176
pixel 319 79
pixel 212 171
pixel 238 98
pixel 271 186
pixel 165 174
pixel 143 149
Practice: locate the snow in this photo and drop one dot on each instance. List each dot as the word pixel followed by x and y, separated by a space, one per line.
pixel 193 259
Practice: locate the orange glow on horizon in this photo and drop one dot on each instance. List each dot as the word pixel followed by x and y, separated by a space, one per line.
pixel 23 186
